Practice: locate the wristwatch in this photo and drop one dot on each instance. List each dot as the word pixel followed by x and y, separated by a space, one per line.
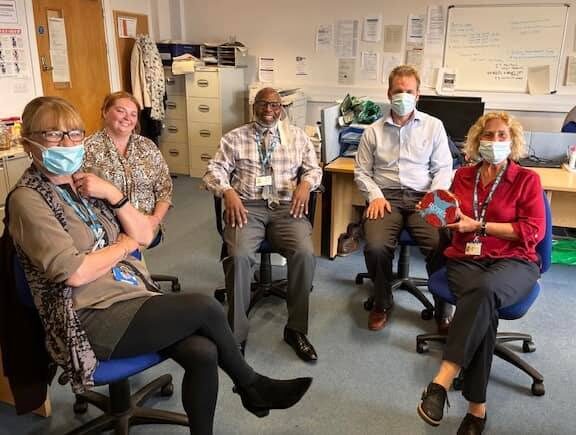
pixel 120 203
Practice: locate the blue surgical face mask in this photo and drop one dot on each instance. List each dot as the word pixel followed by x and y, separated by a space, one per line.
pixel 493 151
pixel 61 160
pixel 403 103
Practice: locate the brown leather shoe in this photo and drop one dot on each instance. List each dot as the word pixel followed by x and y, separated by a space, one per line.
pixel 443 325
pixel 377 319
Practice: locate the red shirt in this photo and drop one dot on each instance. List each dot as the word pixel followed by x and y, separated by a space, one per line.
pixel 517 200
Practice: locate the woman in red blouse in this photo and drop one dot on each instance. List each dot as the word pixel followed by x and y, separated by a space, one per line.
pixel 491 262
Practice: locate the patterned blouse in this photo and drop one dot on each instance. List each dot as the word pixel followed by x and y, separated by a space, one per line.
pixel 142 174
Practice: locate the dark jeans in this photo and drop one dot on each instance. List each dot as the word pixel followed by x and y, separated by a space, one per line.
pixel 192 330
pixel 482 286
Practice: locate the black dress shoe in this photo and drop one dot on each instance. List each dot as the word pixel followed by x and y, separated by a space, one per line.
pixel 472 425
pixel 300 344
pixel 431 409
pixel 265 394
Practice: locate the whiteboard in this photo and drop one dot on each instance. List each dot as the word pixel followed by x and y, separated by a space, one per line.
pixel 492 47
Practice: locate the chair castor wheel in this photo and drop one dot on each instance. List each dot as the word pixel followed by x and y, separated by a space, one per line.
pixel 80 406
pixel 538 389
pixel 427 314
pixel 368 304
pixel 359 279
pixel 457 383
pixel 176 287
pixel 422 347
pixel 167 390
pixel 528 346
pixel 220 295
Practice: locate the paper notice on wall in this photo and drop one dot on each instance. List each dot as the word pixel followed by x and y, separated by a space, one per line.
pixel 346 41
pixel 539 80
pixel 346 70
pixel 8 12
pixel 571 71
pixel 414 58
pixel 266 68
pixel 58 50
pixel 369 65
pixel 435 22
pixel 393 38
pixel 127 27
pixel 372 29
pixel 301 66
pixel 416 28
pixel 12 54
pixel 324 37
pixel 389 62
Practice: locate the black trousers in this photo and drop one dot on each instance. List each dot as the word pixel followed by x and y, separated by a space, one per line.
pixel 382 238
pixel 482 286
pixel 191 329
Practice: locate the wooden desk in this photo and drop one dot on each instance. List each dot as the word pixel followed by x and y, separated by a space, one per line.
pixel 559 184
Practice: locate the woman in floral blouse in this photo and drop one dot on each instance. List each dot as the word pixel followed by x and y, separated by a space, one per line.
pixel 131 162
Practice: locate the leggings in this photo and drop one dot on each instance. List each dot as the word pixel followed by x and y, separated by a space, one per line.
pixel 193 331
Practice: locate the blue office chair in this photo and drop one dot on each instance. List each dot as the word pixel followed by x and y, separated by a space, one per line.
pixel 264 285
pixel 402 279
pixel 438 285
pixel 121 409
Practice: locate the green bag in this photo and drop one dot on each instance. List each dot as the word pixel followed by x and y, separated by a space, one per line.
pixel 564 252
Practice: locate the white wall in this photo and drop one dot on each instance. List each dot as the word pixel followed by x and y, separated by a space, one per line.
pixel 285 30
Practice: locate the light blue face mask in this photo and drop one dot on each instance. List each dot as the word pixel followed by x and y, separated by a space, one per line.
pixel 493 151
pixel 403 103
pixel 61 160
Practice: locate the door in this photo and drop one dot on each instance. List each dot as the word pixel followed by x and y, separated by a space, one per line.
pixel 76 31
pixel 124 45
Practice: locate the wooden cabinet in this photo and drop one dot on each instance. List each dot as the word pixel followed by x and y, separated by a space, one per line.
pixel 174 138
pixel 215 99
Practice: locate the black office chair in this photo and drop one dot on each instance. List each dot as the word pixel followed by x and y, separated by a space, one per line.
pixel 264 285
pixel 402 279
pixel 159 278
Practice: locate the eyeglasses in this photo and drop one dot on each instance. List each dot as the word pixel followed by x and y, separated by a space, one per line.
pixel 56 136
pixel 274 105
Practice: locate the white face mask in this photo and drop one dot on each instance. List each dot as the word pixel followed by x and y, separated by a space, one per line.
pixel 493 151
pixel 403 103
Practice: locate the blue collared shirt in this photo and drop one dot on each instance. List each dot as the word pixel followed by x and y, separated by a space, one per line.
pixel 415 155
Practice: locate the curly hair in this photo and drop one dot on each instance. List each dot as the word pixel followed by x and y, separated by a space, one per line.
pixel 516 135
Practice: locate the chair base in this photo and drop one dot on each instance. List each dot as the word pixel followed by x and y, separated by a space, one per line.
pixel 501 351
pixel 175 283
pixel 122 410
pixel 259 291
pixel 410 285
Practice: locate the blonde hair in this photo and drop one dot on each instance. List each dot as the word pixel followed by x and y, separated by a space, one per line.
pixel 404 71
pixel 516 135
pixel 44 113
pixel 111 99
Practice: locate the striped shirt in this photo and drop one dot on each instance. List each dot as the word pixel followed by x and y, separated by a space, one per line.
pixel 237 164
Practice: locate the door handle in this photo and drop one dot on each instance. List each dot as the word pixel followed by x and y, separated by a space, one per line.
pixel 44 65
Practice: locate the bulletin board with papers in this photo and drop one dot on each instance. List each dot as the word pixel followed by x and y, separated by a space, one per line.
pixel 504 48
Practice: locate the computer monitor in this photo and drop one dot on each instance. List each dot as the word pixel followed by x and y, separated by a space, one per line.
pixel 457 114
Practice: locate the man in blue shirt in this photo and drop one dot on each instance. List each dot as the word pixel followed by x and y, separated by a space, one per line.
pixel 400 157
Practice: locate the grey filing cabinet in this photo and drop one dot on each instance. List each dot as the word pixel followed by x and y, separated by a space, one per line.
pixel 13 163
pixel 215 99
pixel 174 138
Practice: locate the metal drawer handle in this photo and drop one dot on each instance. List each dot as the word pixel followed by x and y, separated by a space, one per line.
pixel 172 129
pixel 205 157
pixel 205 133
pixel 174 153
pixel 202 83
pixel 170 81
pixel 170 105
pixel 203 108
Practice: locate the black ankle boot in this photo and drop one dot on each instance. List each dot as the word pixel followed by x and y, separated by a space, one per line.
pixel 472 425
pixel 265 394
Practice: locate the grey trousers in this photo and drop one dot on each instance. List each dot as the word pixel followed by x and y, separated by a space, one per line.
pixel 288 236
pixel 382 237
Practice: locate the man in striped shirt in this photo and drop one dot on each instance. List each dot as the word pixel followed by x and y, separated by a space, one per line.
pixel 264 171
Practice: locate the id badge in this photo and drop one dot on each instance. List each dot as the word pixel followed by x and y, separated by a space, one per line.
pixel 473 248
pixel 124 276
pixel 265 180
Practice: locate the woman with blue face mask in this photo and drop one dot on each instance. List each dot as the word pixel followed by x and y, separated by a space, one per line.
pixel 75 250
pixel 491 261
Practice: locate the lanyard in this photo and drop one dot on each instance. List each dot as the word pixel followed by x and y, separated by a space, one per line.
pixel 86 213
pixel 265 158
pixel 481 216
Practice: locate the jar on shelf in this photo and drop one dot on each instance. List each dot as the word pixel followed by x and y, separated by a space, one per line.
pixel 5 136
